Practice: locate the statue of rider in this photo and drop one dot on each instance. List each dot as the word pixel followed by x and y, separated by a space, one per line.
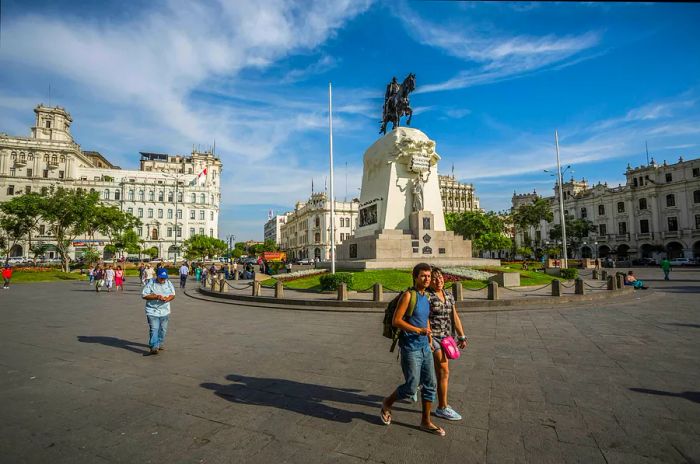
pixel 391 89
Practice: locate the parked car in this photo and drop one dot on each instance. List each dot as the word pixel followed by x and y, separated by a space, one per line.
pixel 682 262
pixel 644 262
pixel 306 261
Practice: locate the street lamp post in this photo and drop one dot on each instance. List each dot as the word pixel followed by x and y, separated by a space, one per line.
pixel 177 186
pixel 561 206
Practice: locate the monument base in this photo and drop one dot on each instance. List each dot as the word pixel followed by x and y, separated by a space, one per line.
pixel 367 264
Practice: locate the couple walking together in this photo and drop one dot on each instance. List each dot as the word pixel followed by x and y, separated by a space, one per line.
pixel 425 321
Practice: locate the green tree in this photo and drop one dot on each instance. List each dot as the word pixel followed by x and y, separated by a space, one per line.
pixel 127 241
pixel 39 249
pixel 27 209
pixel 68 214
pixel 151 252
pixel 485 230
pixel 202 246
pixel 532 215
pixel 270 245
pixel 90 255
pixel 14 229
pixel 576 231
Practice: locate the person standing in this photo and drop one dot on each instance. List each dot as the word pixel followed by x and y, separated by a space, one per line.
pixel 91 275
pixel 109 278
pixel 444 322
pixel 184 272
pixel 6 276
pixel 148 274
pixel 666 267
pixel 99 278
pixel 416 353
pixel 119 279
pixel 158 294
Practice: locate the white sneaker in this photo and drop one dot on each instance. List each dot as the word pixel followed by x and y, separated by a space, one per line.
pixel 448 413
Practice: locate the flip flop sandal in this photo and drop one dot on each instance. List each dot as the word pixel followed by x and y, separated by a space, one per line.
pixel 439 431
pixel 385 416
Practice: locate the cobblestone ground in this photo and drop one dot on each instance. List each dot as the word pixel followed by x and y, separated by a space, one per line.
pixel 608 382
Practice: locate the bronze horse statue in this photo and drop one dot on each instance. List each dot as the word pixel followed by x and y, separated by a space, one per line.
pixel 397 104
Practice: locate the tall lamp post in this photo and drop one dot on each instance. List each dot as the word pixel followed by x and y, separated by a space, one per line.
pixel 562 219
pixel 177 186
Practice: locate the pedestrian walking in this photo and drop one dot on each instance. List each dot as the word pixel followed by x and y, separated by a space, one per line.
pixel 289 267
pixel 91 275
pixel 119 278
pixel 99 278
pixel 6 276
pixel 158 294
pixel 666 267
pixel 444 323
pixel 197 273
pixel 184 272
pixel 148 274
pixel 109 278
pixel 416 353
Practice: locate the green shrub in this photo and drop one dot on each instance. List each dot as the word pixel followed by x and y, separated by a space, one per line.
pixel 569 274
pixel 333 281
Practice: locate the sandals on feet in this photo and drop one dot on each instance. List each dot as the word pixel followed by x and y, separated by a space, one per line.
pixel 385 416
pixel 435 430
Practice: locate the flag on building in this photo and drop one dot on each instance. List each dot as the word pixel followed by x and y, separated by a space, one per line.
pixel 196 179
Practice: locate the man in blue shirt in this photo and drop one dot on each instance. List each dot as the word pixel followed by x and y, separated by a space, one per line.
pixel 158 294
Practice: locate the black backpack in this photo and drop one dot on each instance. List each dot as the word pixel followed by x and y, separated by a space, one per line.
pixel 388 330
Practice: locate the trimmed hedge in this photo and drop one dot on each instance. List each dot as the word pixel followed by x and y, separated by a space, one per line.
pixel 569 273
pixel 333 281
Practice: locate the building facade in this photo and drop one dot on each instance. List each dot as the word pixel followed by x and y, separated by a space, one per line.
pixel 306 233
pixel 656 213
pixel 174 197
pixel 457 197
pixel 273 228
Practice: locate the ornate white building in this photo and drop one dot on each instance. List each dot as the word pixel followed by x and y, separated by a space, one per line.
pixel 273 228
pixel 656 213
pixel 457 197
pixel 306 233
pixel 175 197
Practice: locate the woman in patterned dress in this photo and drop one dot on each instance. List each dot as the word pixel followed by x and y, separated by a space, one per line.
pixel 444 322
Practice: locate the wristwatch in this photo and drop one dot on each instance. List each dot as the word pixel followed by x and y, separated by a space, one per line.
pixel 462 338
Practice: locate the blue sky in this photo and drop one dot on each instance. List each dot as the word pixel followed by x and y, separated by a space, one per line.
pixel 494 81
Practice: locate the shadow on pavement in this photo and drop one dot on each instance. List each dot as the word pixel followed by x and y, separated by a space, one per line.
pixel 302 398
pixel 688 395
pixel 115 342
pixel 681 324
pixel 679 289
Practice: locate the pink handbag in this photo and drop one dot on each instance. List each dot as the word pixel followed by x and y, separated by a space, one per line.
pixel 449 346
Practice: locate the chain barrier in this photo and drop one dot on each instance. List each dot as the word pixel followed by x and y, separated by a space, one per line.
pixel 366 289
pixel 526 290
pixel 561 282
pixel 602 287
pixel 475 289
pixel 235 288
pixel 393 291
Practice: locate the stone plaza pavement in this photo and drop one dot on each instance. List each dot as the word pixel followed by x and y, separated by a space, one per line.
pixel 613 382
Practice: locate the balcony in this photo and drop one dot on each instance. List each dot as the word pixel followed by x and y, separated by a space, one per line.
pixel 672 234
pixel 695 233
pixel 20 163
pixel 645 236
pixel 622 237
pixel 52 164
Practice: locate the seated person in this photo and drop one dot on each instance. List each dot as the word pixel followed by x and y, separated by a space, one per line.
pixel 630 279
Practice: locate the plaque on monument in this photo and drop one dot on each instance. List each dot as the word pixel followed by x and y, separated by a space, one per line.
pixel 353 250
pixel 426 223
pixel 368 215
pixel 426 238
pixel 427 250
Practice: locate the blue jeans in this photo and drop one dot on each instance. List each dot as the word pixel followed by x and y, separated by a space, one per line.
pixel 666 274
pixel 418 369
pixel 157 328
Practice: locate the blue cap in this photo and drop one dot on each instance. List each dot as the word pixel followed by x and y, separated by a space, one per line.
pixel 162 273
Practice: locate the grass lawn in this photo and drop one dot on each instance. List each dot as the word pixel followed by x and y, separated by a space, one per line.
pixel 399 279
pixel 47 276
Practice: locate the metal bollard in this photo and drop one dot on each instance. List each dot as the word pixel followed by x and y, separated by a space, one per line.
pixel 213 285
pixel 578 289
pixel 279 289
pixel 595 274
pixel 604 275
pixel 343 292
pixel 378 292
pixel 256 288
pixel 493 290
pixel 458 291
pixel 556 287
pixel 235 273
pixel 620 281
pixel 611 283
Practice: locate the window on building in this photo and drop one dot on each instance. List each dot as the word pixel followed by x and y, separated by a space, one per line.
pixel 201 231
pixel 211 215
pixel 641 181
pixel 28 189
pixel 201 215
pixel 620 206
pixel 211 202
pixel 61 174
pixel 669 177
pixel 48 124
pixel 635 182
pixel 140 213
pixel 130 195
pixel 130 210
pixel 117 195
pixel 211 232
pixel 602 229
pixel 673 224
pixel 154 234
pixel 317 237
pixel 170 197
pixel 601 209
pixel 179 214
pixel 151 195
pixel 150 212
pixel 193 198
pixel 670 200
pixel 642 203
pixel 29 173
pixel 140 230
pixel 105 194
pixel 696 172
pixel 44 191
pixel 42 229
pixel 161 195
pixel 141 195
pixel 621 228
pixel 179 231
pixel 644 226
pixel 191 231
pixel 193 214
pixel 538 235
pixel 697 221
pixel 584 213
pixel 45 173
pixel 696 196
pixel 179 197
pixel 170 231
pixel 170 214
pixel 160 213
pixel 202 198
pixel 566 212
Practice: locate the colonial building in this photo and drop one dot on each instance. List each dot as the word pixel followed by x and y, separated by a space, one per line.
pixel 273 228
pixel 175 197
pixel 306 233
pixel 456 196
pixel 656 213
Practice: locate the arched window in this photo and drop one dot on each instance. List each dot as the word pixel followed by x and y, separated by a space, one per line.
pixel 141 195
pixel 105 194
pixel 154 234
pixel 601 209
pixel 584 213
pixel 161 195
pixel 318 221
pixel 642 203
pixel 670 200
pixel 170 197
pixel 202 198
pixel 131 195
pixel 620 206
pixel 194 198
pixel 151 195
pixel 117 195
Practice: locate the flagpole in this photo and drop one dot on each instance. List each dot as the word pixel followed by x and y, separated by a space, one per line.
pixel 330 138
pixel 565 253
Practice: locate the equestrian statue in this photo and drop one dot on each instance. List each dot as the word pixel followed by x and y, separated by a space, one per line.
pixel 396 102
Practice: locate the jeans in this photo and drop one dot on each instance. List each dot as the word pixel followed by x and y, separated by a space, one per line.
pixel 666 271
pixel 418 369
pixel 183 281
pixel 157 328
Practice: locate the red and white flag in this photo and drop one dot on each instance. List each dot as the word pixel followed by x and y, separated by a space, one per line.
pixel 196 179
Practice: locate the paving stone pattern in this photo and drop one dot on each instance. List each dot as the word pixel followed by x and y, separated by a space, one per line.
pixel 613 382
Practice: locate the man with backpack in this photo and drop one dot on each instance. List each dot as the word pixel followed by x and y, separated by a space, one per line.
pixel 410 319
